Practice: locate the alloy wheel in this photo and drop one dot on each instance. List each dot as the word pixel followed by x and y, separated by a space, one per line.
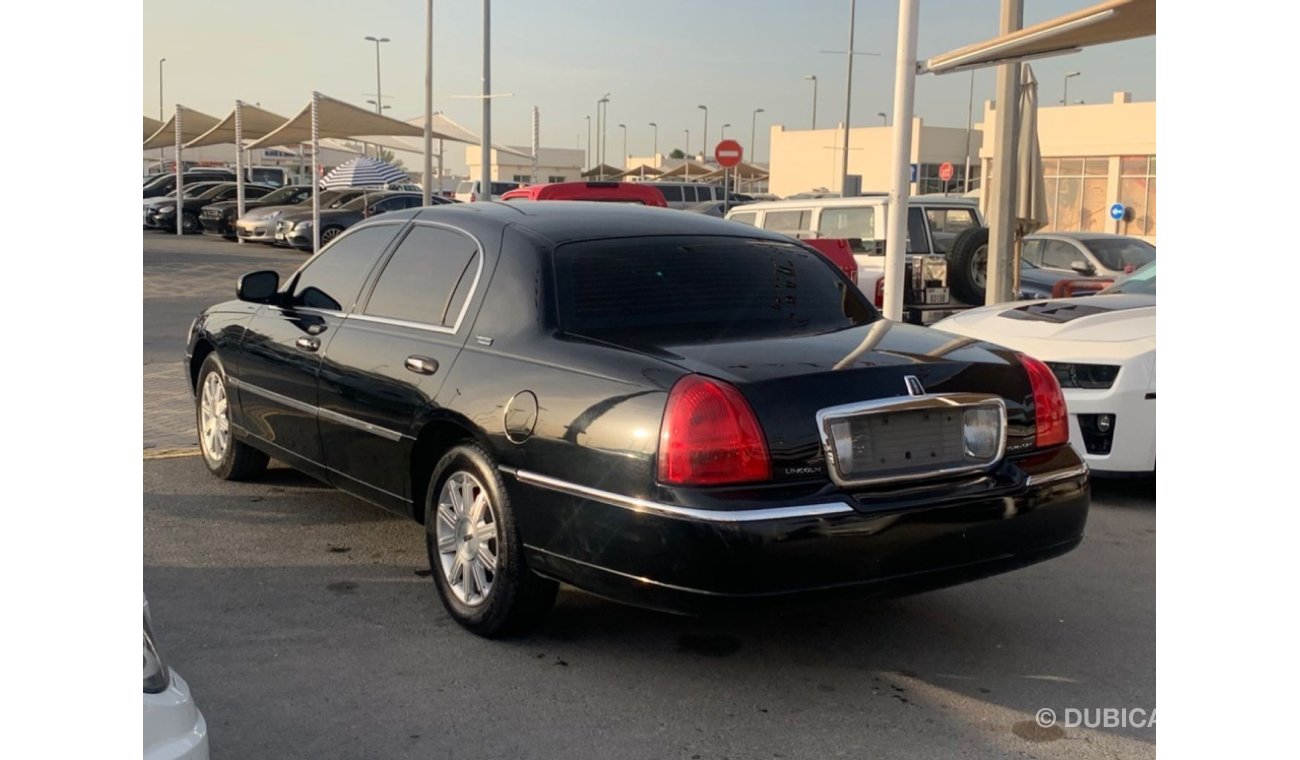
pixel 214 419
pixel 467 541
pixel 980 267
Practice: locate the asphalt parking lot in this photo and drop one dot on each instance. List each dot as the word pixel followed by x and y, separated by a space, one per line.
pixel 306 624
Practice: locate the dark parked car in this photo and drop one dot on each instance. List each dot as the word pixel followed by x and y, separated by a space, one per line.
pixel 1037 282
pixel 219 218
pixel 152 206
pixel 295 228
pixel 165 215
pixel 665 409
pixel 166 183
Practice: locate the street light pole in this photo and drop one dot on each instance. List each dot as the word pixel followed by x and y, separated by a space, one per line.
pixel 161 61
pixel 427 186
pixel 753 144
pixel 655 155
pixel 970 105
pixel 589 141
pixel 379 88
pixel 722 133
pixel 704 140
pixel 485 172
pixel 1065 94
pixel 602 124
pixel 813 77
pixel 688 153
pixel 884 118
pixel 848 101
pixel 624 126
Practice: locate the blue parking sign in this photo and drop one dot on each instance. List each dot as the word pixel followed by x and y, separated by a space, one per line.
pixel 1117 211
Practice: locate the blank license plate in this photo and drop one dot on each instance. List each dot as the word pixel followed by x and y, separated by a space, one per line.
pixel 936 295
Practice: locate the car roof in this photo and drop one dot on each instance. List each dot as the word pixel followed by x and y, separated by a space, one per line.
pixel 1083 236
pixel 569 221
pixel 861 200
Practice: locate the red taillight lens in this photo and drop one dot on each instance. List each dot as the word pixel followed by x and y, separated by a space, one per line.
pixel 880 293
pixel 473 197
pixel 710 436
pixel 1051 420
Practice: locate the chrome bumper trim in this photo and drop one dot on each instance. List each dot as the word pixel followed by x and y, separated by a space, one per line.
pixel 1053 477
pixel 672 510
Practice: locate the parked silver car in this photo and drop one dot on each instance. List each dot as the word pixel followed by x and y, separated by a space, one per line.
pixel 1089 254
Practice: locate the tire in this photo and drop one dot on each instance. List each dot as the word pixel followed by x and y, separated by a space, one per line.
pixel 968 262
pixel 189 223
pixel 225 457
pixel 481 576
pixel 328 234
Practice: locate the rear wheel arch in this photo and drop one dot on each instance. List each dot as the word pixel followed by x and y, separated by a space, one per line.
pixel 436 438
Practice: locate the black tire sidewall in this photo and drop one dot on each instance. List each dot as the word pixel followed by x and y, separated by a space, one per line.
pixel 486 618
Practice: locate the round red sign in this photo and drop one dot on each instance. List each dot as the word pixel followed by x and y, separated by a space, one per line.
pixel 945 171
pixel 728 153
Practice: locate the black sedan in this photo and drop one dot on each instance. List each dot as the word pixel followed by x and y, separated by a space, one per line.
pixel 165 215
pixel 219 218
pixel 152 206
pixel 295 228
pixel 664 409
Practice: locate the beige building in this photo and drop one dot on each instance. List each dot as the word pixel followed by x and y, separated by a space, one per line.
pixel 553 164
pixel 807 159
pixel 1093 157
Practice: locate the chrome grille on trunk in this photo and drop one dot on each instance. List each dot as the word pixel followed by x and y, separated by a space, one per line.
pixel 912 437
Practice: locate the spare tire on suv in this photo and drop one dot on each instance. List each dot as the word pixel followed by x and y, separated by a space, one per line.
pixel 968 265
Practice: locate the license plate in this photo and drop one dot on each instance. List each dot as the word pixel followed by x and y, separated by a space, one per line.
pixel 936 295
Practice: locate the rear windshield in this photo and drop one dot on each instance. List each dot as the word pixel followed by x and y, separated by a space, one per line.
pixel 465 187
pixel 679 289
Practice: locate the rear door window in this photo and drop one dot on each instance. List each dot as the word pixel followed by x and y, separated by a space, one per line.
pixel 683 288
pixel 427 278
pixel 858 225
pixel 917 242
pixel 672 193
pixel 1033 252
pixel 745 218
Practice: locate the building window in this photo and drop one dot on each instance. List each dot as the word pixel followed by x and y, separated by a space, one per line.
pixel 1076 193
pixel 523 178
pixel 555 178
pixel 1137 190
pixel 927 178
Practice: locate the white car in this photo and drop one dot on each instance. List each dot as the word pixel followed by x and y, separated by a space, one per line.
pixel 174 729
pixel 1103 351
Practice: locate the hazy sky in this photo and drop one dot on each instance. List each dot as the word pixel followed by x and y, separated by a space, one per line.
pixel 659 60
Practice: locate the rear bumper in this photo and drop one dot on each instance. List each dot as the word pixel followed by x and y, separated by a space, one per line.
pixel 261 232
pixel 829 543
pixel 174 729
pixel 216 226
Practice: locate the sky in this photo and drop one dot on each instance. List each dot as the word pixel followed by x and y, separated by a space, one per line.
pixel 658 60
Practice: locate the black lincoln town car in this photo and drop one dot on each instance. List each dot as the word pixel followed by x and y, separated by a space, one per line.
pixel 662 408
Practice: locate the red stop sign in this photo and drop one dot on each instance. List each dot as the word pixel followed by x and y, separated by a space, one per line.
pixel 728 153
pixel 945 171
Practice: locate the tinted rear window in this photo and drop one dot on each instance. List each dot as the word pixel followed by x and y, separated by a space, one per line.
pixel 680 289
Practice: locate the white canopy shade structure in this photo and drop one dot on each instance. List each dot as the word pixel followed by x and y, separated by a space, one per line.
pixel 184 125
pixel 602 172
pixel 150 127
pixel 641 172
pixel 1111 21
pixel 244 122
pixel 327 117
pixel 688 170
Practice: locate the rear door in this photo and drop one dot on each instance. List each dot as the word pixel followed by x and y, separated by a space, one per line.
pixel 389 359
pixel 280 354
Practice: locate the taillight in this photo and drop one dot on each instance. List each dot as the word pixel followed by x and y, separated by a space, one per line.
pixel 710 436
pixel 1051 420
pixel 473 197
pixel 880 293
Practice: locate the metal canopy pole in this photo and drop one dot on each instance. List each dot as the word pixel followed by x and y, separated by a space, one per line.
pixel 848 100
pixel 239 159
pixel 428 105
pixel 900 181
pixel 485 181
pixel 1002 207
pixel 315 172
pixel 180 176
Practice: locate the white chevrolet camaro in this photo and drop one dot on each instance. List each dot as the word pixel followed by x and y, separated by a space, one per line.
pixel 1103 351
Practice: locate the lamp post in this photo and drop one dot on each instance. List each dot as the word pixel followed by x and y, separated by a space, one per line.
pixel 588 117
pixel 624 127
pixel 1065 94
pixel 688 153
pixel 379 87
pixel 970 106
pixel 376 105
pixel 655 155
pixel 602 124
pixel 722 133
pixel 884 119
pixel 753 144
pixel 161 61
pixel 704 139
pixel 813 78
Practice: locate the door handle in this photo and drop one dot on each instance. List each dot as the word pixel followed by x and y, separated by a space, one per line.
pixel 308 344
pixel 422 365
pixel 315 328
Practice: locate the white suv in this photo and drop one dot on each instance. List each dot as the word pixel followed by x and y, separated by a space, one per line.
pixel 468 191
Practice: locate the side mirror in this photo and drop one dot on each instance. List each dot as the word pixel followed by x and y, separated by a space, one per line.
pixel 258 287
pixel 1082 267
